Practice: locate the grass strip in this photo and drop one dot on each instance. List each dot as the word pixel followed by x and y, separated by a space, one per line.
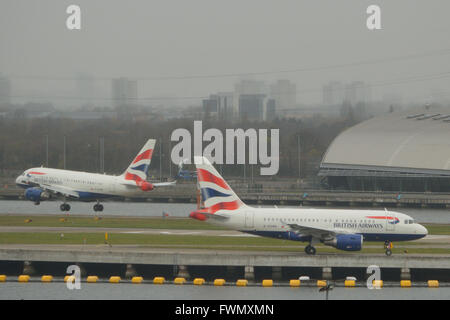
pixel 106 222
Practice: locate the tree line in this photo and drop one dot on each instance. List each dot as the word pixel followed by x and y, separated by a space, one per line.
pixel 24 141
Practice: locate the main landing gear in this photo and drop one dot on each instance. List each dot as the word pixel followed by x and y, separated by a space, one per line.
pixel 64 207
pixel 388 248
pixel 309 249
pixel 98 207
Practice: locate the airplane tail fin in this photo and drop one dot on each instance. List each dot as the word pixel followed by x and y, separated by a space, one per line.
pixel 138 169
pixel 215 192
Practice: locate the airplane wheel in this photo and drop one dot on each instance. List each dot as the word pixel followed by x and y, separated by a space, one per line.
pixel 64 207
pixel 310 250
pixel 100 207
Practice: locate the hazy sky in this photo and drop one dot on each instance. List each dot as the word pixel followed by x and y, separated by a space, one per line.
pixel 172 38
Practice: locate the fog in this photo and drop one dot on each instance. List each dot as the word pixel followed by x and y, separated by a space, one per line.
pixel 190 49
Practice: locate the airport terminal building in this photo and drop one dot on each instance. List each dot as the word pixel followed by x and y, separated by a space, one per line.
pixel 406 151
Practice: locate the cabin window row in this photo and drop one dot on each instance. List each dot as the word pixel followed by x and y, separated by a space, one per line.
pixel 318 220
pixel 79 181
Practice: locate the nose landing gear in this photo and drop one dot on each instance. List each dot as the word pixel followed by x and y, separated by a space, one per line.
pixel 388 248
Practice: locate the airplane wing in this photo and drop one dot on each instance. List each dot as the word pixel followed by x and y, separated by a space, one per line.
pixel 315 232
pixel 68 192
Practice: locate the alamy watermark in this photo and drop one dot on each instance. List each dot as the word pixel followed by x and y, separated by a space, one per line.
pixel 74 280
pixel 258 142
pixel 375 277
pixel 73 21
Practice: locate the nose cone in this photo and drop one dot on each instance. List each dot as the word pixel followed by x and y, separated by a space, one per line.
pixel 21 182
pixel 422 230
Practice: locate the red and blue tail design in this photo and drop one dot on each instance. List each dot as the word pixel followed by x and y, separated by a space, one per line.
pixel 138 169
pixel 215 192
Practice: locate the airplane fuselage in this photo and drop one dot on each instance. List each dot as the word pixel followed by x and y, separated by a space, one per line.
pixel 89 186
pixel 373 225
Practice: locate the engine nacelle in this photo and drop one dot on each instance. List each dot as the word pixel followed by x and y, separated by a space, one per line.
pixel 198 216
pixel 346 242
pixel 36 194
pixel 146 186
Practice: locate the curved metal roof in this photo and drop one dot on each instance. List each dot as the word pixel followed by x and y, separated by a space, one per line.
pixel 417 140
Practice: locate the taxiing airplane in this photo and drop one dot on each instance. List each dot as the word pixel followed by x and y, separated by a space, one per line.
pixel 339 228
pixel 44 183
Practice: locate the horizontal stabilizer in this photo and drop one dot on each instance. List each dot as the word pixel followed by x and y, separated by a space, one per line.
pixel 205 214
pixel 165 184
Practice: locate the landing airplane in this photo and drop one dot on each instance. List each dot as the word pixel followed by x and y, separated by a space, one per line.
pixel 43 183
pixel 341 229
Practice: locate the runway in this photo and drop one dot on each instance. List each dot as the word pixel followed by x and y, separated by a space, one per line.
pixel 430 241
pixel 218 233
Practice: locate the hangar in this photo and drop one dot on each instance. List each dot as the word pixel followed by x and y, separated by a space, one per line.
pixel 403 151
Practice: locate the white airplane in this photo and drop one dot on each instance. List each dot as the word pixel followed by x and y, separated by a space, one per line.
pixel 342 229
pixel 43 183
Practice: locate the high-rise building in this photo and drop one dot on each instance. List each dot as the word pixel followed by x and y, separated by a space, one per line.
pixel 246 87
pixel 251 107
pixel 124 92
pixel 219 106
pixel 85 89
pixel 250 87
pixel 357 92
pixel 5 90
pixel 333 93
pixel 225 105
pixel 210 106
pixel 256 107
pixel 284 93
pixel 270 112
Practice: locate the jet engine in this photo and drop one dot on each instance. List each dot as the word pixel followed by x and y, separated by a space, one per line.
pixel 36 195
pixel 146 186
pixel 346 242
